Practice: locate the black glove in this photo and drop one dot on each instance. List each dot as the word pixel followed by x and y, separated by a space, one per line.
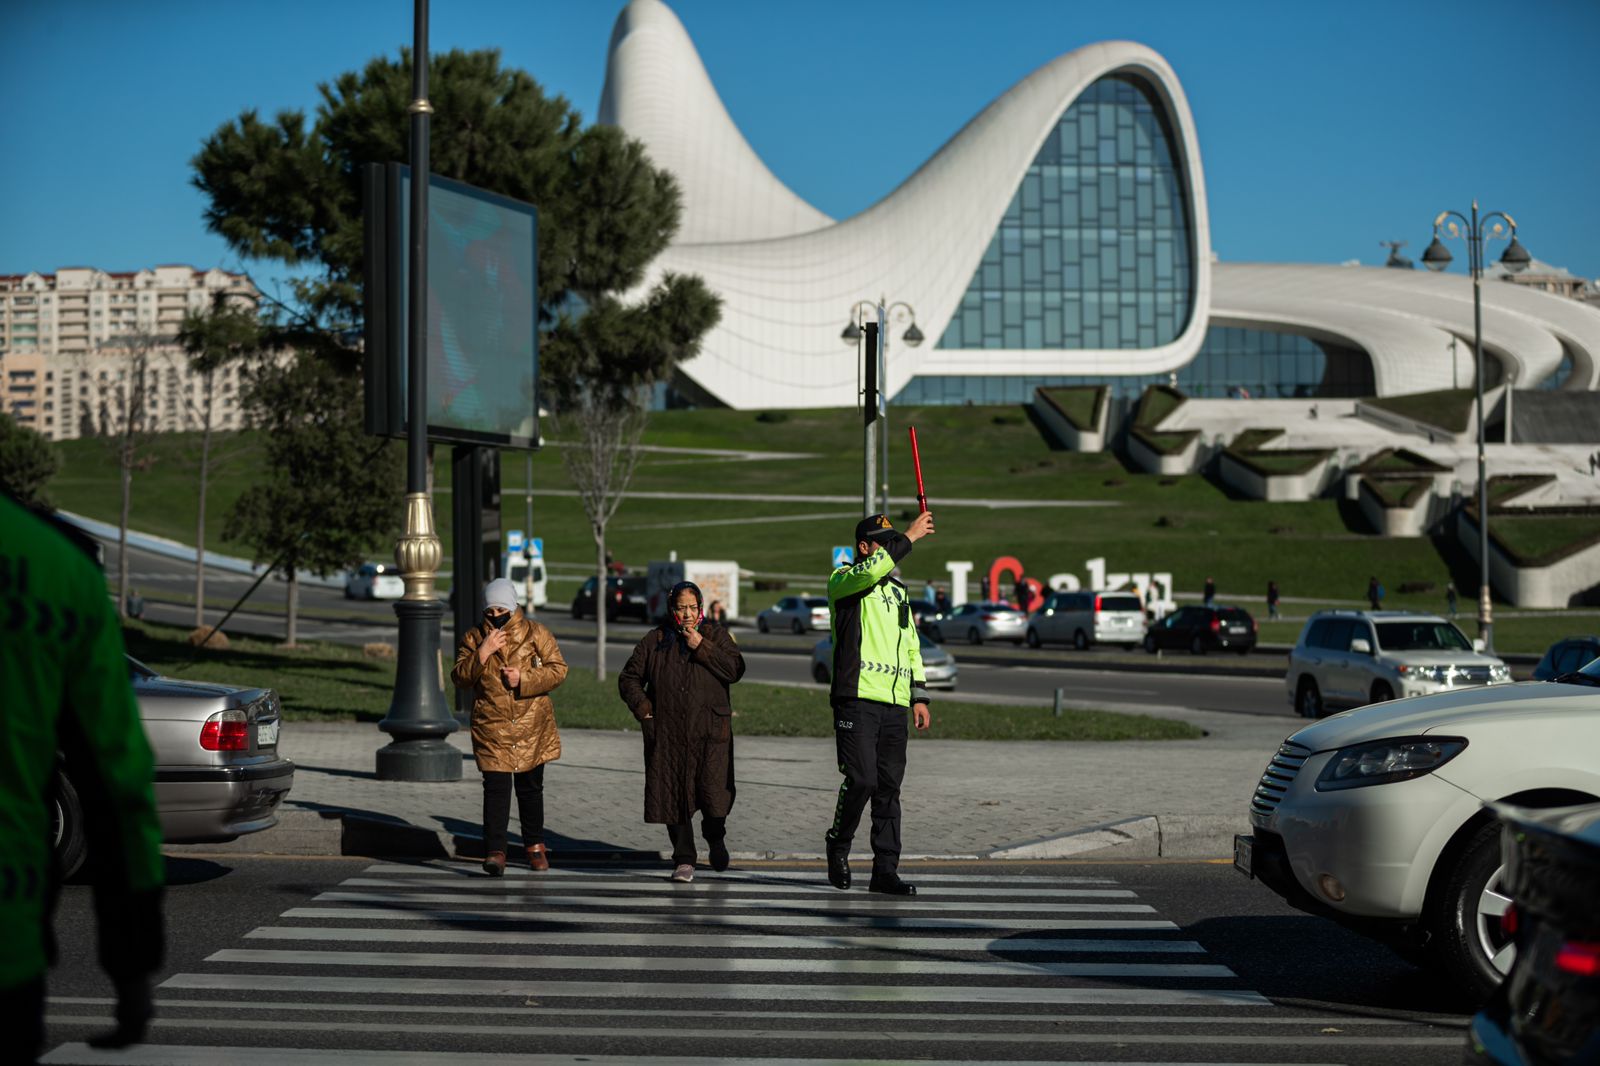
pixel 134 1010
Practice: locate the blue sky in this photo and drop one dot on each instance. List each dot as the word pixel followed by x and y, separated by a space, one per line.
pixel 1324 127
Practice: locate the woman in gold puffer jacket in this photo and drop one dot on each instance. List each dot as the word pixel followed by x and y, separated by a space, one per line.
pixel 512 664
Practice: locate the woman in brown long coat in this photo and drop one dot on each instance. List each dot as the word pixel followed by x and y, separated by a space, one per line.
pixel 676 685
pixel 512 664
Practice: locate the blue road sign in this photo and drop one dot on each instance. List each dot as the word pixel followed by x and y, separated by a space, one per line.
pixel 513 540
pixel 843 555
pixel 538 545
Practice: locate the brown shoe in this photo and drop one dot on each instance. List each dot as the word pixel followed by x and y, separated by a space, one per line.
pixel 538 857
pixel 494 864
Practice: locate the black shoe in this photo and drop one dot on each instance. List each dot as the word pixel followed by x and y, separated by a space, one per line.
pixel 719 856
pixel 891 885
pixel 838 868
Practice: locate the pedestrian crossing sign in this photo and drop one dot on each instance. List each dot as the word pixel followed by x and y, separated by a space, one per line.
pixel 843 555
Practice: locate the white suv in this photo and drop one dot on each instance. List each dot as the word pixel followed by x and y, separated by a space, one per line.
pixel 1348 658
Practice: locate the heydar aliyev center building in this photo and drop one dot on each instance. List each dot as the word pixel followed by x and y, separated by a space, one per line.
pixel 1060 237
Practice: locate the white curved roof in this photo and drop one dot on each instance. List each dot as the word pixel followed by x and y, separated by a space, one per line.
pixel 789 275
pixel 1405 319
pixel 787 297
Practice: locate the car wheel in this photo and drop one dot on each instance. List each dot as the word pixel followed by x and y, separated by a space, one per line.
pixel 1196 646
pixel 1463 921
pixel 66 826
pixel 819 673
pixel 1382 693
pixel 1080 640
pixel 973 636
pixel 348 594
pixel 798 628
pixel 1308 699
pixel 1150 643
pixel 1033 638
pixel 761 623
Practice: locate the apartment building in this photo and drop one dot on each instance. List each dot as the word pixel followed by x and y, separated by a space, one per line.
pixel 69 343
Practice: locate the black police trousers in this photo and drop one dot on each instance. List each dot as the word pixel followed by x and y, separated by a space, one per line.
pixel 871 741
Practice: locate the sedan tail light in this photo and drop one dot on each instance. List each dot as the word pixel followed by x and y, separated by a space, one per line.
pixel 226 731
pixel 1216 625
pixel 988 617
pixel 1579 957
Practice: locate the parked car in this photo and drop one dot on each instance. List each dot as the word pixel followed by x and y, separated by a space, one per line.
pixel 1375 817
pixel 978 622
pixel 1565 656
pixel 1348 658
pixel 924 614
pixel 938 666
pixel 1084 619
pixel 1548 1007
pixel 1203 629
pixel 218 774
pixel 374 581
pixel 796 614
pixel 625 598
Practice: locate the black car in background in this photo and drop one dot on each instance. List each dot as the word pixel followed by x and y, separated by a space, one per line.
pixel 1547 1010
pixel 625 598
pixel 1566 657
pixel 1203 629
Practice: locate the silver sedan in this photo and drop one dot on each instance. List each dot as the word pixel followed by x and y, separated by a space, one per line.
pixel 218 774
pixel 978 622
pixel 938 666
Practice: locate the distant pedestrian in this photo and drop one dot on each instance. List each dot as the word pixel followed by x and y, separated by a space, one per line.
pixel 676 685
pixel 1374 592
pixel 135 604
pixel 983 589
pixel 941 599
pixel 1592 465
pixel 1272 601
pixel 930 592
pixel 1211 592
pixel 512 664
pixel 1150 610
pixel 717 613
pixel 1450 597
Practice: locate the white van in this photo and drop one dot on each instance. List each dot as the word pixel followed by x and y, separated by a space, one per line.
pixel 1083 619
pixel 519 567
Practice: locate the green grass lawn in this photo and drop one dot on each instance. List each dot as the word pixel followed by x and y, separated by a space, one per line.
pixel 1398 491
pixel 1399 460
pixel 1137 522
pixel 1449 409
pixel 1536 538
pixel 319 681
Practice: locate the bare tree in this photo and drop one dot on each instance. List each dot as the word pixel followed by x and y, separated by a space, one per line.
pixel 600 456
pixel 225 335
pixel 122 418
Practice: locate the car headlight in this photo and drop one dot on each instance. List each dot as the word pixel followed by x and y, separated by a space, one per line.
pixel 1382 761
pixel 1499 672
pixel 1423 673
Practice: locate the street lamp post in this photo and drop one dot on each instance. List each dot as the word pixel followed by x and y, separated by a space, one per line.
pixel 886 312
pixel 1476 231
pixel 418 720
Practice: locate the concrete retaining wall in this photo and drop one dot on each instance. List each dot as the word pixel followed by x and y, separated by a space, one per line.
pixel 1068 434
pixel 1275 487
pixel 1148 460
pixel 1534 586
pixel 1396 521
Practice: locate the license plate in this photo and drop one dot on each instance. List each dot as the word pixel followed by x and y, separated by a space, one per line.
pixel 1242 846
pixel 266 734
pixel 1236 629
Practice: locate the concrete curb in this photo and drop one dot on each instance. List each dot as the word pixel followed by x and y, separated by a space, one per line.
pixel 1147 836
pixel 326 833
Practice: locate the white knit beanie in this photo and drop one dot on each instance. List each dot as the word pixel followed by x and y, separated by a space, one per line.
pixel 500 593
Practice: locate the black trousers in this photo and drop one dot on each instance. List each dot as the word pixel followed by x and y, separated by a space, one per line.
pixel 682 837
pixel 497 788
pixel 22 1019
pixel 871 741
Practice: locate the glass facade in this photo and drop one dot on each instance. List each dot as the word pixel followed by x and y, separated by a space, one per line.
pixel 1095 249
pixel 1233 361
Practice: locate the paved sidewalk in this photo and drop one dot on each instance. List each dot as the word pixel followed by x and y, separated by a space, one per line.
pixel 1000 799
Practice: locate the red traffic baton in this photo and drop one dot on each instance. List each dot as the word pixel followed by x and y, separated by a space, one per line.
pixel 916 463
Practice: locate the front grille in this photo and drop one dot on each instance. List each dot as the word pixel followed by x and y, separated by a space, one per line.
pixel 1467 675
pixel 1280 773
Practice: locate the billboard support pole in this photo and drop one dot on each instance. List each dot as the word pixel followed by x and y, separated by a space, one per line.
pixel 418 720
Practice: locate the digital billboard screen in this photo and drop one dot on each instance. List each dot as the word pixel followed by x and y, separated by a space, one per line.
pixel 483 311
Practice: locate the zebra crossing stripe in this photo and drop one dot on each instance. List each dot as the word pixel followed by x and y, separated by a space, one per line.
pixel 849 921
pixel 690 901
pixel 670 964
pixel 678 990
pixel 711 888
pixel 816 877
pixel 729 943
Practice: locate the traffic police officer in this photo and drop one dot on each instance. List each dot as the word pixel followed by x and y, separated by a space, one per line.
pixel 877 676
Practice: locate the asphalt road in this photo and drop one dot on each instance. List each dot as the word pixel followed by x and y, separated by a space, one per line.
pixel 988 673
pixel 1125 962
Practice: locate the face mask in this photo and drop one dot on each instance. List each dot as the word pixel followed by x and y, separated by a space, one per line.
pixel 498 621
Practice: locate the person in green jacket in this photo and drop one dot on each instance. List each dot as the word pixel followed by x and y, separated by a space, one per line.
pixel 64 689
pixel 877 678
